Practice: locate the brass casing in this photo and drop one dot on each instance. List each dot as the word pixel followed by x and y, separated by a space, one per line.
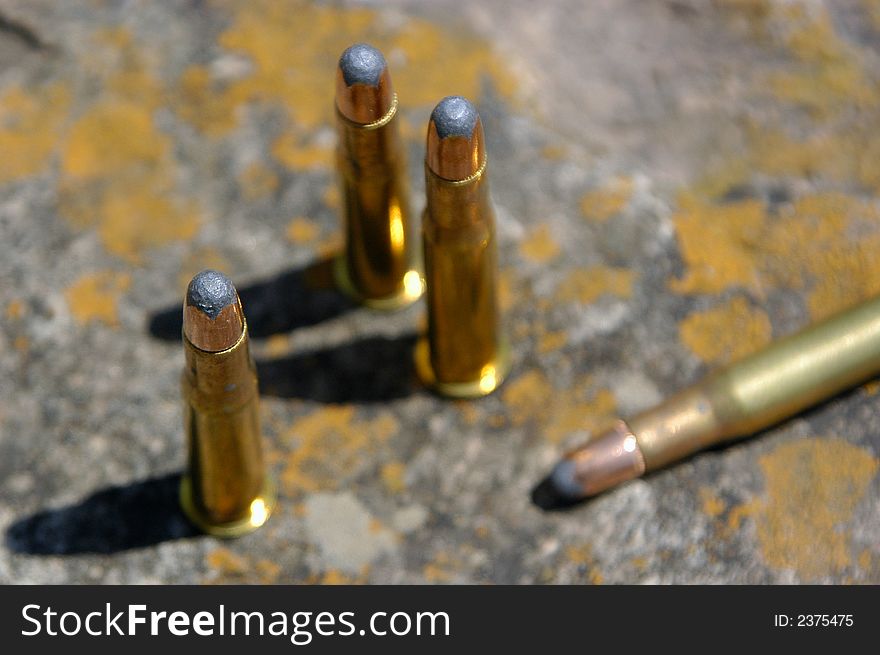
pixel 465 354
pixel 773 384
pixel 225 490
pixel 379 264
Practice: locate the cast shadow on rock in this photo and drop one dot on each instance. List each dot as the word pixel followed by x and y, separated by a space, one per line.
pixel 296 298
pixel 115 519
pixel 374 369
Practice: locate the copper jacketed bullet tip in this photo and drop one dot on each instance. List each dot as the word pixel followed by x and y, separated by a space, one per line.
pixel 212 314
pixel 455 148
pixel 363 85
pixel 225 490
pixel 611 458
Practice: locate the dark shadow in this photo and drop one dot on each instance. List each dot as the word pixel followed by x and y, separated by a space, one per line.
pixel 109 521
pixel 293 299
pixel 369 370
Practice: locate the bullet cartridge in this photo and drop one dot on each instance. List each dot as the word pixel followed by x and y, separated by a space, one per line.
pixel 379 265
pixel 464 354
pixel 748 396
pixel 225 490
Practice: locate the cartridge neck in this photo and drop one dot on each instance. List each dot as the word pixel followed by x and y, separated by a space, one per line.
pixel 369 150
pixel 459 204
pixel 226 378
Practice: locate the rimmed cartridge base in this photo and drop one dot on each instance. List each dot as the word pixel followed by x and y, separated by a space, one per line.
pixel 412 287
pixel 492 375
pixel 258 513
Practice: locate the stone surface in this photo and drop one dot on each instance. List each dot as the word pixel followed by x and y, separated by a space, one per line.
pixel 677 183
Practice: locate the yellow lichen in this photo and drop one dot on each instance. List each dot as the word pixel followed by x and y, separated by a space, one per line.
pixel 601 204
pixel 15 309
pixel 292 48
pixel 257 181
pixel 810 246
pixel 302 230
pixel 586 285
pixel 713 506
pixel 330 444
pixel 226 562
pixel 726 332
pixel 539 246
pixel 95 296
pixel 393 477
pixel 581 407
pixel 812 489
pixel 31 123
pixel 718 242
pixel 118 170
pixel 550 341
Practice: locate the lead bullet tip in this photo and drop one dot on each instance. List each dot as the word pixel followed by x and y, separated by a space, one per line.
pixel 455 148
pixel 363 86
pixel 212 314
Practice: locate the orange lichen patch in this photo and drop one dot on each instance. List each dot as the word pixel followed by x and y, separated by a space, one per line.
pixel 827 245
pixel 554 153
pixel 582 557
pixel 302 231
pixel 337 577
pixel 118 170
pixel 198 260
pixel 586 285
pixel 583 408
pixel 21 343
pixel 302 156
pixel 111 137
pixel 841 260
pixel 550 341
pixel 828 75
pixel 539 246
pixel 527 396
pixel 441 569
pixel 257 181
pixel 603 203
pixel 726 332
pixel 225 562
pixel 717 242
pixel 95 296
pixel 267 571
pixel 712 505
pixel 813 487
pixel 831 75
pixel 470 414
pixel 30 125
pixel 15 309
pixel 293 47
pixel 871 388
pixel 558 412
pixel 393 477
pixel 507 284
pixel 332 197
pixel 329 445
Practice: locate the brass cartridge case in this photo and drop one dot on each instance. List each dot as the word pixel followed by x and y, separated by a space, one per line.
pixel 755 393
pixel 225 490
pixel 379 265
pixel 464 354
